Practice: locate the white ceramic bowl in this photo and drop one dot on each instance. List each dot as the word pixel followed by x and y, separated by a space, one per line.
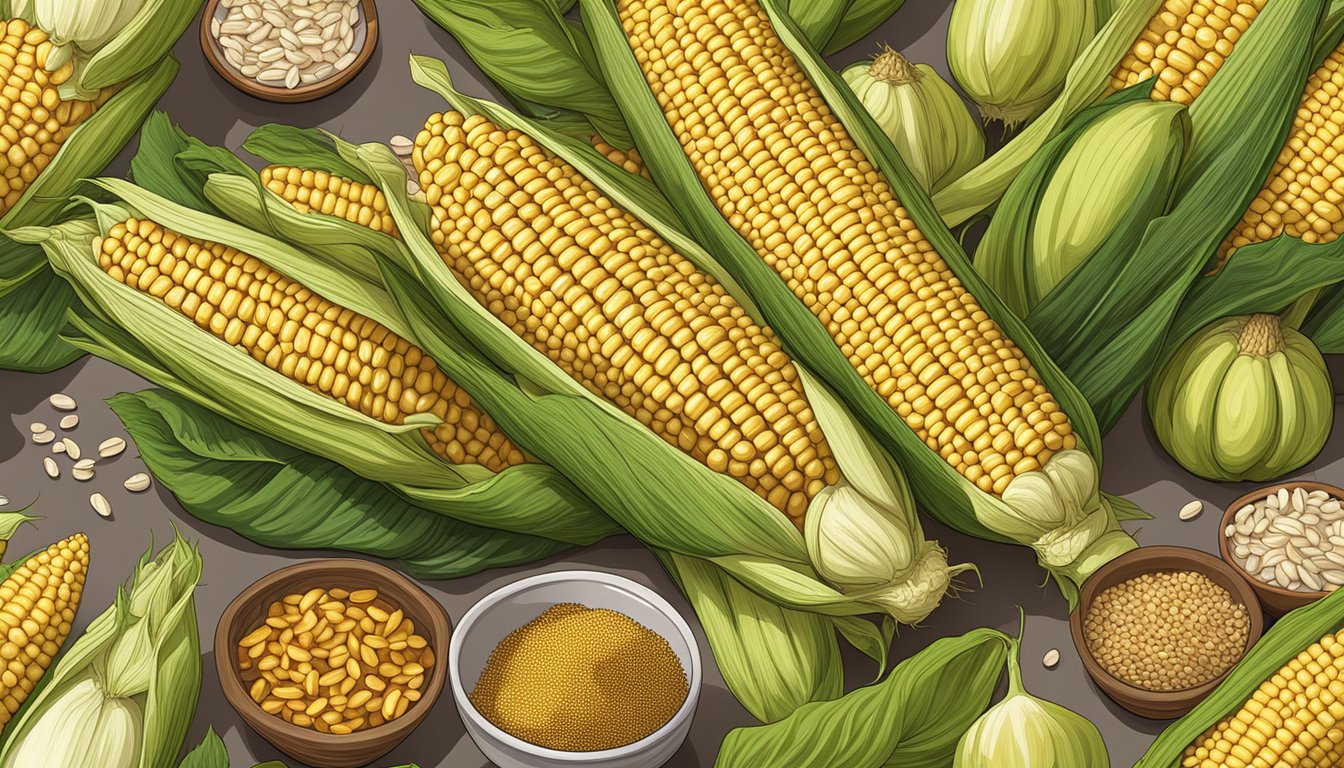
pixel 508 608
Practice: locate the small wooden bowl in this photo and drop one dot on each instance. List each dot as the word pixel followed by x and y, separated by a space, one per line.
pixel 1159 705
pixel 306 745
pixel 214 53
pixel 1277 600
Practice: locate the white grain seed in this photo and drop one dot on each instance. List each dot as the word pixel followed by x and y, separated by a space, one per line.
pixel 1191 510
pixel 111 447
pixel 271 54
pixel 1261 526
pixel 215 26
pixel 1282 498
pixel 4 501
pixel 49 464
pixel 250 70
pixel 1051 658
pixel 42 438
pixel 137 482
pixel 1311 582
pixel 37 428
pixel 1253 563
pixel 70 422
pixel 1334 577
pixel 58 447
pixel 345 61
pixel 82 475
pixel 1299 500
pixel 71 448
pixel 1244 513
pixel 276 18
pixel 100 505
pixel 251 11
pixel 234 28
pixel 234 58
pixel 62 402
pixel 292 77
pixel 260 33
pixel 324 71
pixel 1241 551
pixel 84 464
pixel 297 58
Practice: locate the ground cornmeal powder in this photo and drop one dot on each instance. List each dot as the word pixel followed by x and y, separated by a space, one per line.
pixel 581 679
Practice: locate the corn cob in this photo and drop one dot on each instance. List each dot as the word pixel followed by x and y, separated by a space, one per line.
pixel 1296 717
pixel 1183 46
pixel 321 192
pixel 628 159
pixel 37 121
pixel 785 174
pixel 1304 193
pixel 283 325
pixel 37 607
pixel 600 294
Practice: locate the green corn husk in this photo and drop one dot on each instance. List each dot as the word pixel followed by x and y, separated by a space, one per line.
pixel 1097 184
pixel 912 718
pixel 1059 512
pixel 32 300
pixel 142 334
pixel 860 18
pixel 1288 637
pixel 123 694
pixel 1011 56
pixel 742 626
pixel 1106 324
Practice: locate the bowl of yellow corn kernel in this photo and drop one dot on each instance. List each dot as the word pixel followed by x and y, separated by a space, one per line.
pixel 333 661
pixel 575 668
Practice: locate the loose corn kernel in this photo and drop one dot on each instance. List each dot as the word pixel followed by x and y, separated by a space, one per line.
pixel 288 328
pixel 786 175
pixel 605 298
pixel 1304 194
pixel 1183 46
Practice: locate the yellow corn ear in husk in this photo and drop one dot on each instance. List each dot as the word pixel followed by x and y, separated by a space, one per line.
pixel 1244 399
pixel 1011 56
pixel 1099 183
pixel 927 121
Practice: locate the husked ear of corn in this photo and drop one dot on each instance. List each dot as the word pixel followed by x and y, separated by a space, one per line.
pixel 1183 46
pixel 322 192
pixel 1294 718
pixel 329 349
pixel 786 175
pixel 606 299
pixel 1304 194
pixel 37 608
pixel 37 121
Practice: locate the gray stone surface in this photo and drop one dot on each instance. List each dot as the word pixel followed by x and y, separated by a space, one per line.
pixel 380 102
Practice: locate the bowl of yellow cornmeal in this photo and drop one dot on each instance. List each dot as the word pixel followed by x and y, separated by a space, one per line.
pixel 575 668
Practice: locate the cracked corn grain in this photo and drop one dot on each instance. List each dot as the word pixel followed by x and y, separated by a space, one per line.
pixel 1166 631
pixel 580 679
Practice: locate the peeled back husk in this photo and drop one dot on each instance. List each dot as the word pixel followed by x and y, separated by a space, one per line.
pixel 928 122
pixel 1011 56
pixel 1023 731
pixel 1244 399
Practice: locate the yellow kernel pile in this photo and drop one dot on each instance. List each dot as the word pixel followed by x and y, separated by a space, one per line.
pixel 581 679
pixel 1296 717
pixel 335 661
pixel 1166 631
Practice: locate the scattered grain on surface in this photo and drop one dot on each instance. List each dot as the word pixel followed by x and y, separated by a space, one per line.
pixel 1191 510
pixel 70 422
pixel 62 402
pixel 101 505
pixel 137 483
pixel 1051 658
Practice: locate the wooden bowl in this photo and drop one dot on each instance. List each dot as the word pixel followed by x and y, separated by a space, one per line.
pixel 215 55
pixel 306 745
pixel 1276 599
pixel 1159 705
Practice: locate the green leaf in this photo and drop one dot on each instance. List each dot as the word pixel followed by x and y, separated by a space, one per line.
pixel 818 19
pixel 859 19
pixel 174 165
pixel 535 56
pixel 210 753
pixel 1325 323
pixel 145 40
pixel 912 718
pixel 279 496
pixel 1240 121
pixel 287 145
pixel 32 314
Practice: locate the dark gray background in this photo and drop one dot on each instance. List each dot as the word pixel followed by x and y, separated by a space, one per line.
pixel 380 102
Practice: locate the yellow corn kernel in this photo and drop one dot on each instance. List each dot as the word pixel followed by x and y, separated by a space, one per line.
pixel 320 192
pixel 628 159
pixel 598 292
pixel 786 175
pixel 1183 46
pixel 1304 194
pixel 288 328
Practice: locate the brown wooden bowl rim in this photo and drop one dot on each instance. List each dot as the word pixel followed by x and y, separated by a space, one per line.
pixel 349 569
pixel 210 47
pixel 1162 558
pixel 1247 498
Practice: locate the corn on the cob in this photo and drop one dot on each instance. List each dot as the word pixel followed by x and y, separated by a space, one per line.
pixel 321 192
pixel 283 325
pixel 37 606
pixel 784 172
pixel 628 159
pixel 36 120
pixel 611 303
pixel 1184 45
pixel 1296 717
pixel 1304 195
